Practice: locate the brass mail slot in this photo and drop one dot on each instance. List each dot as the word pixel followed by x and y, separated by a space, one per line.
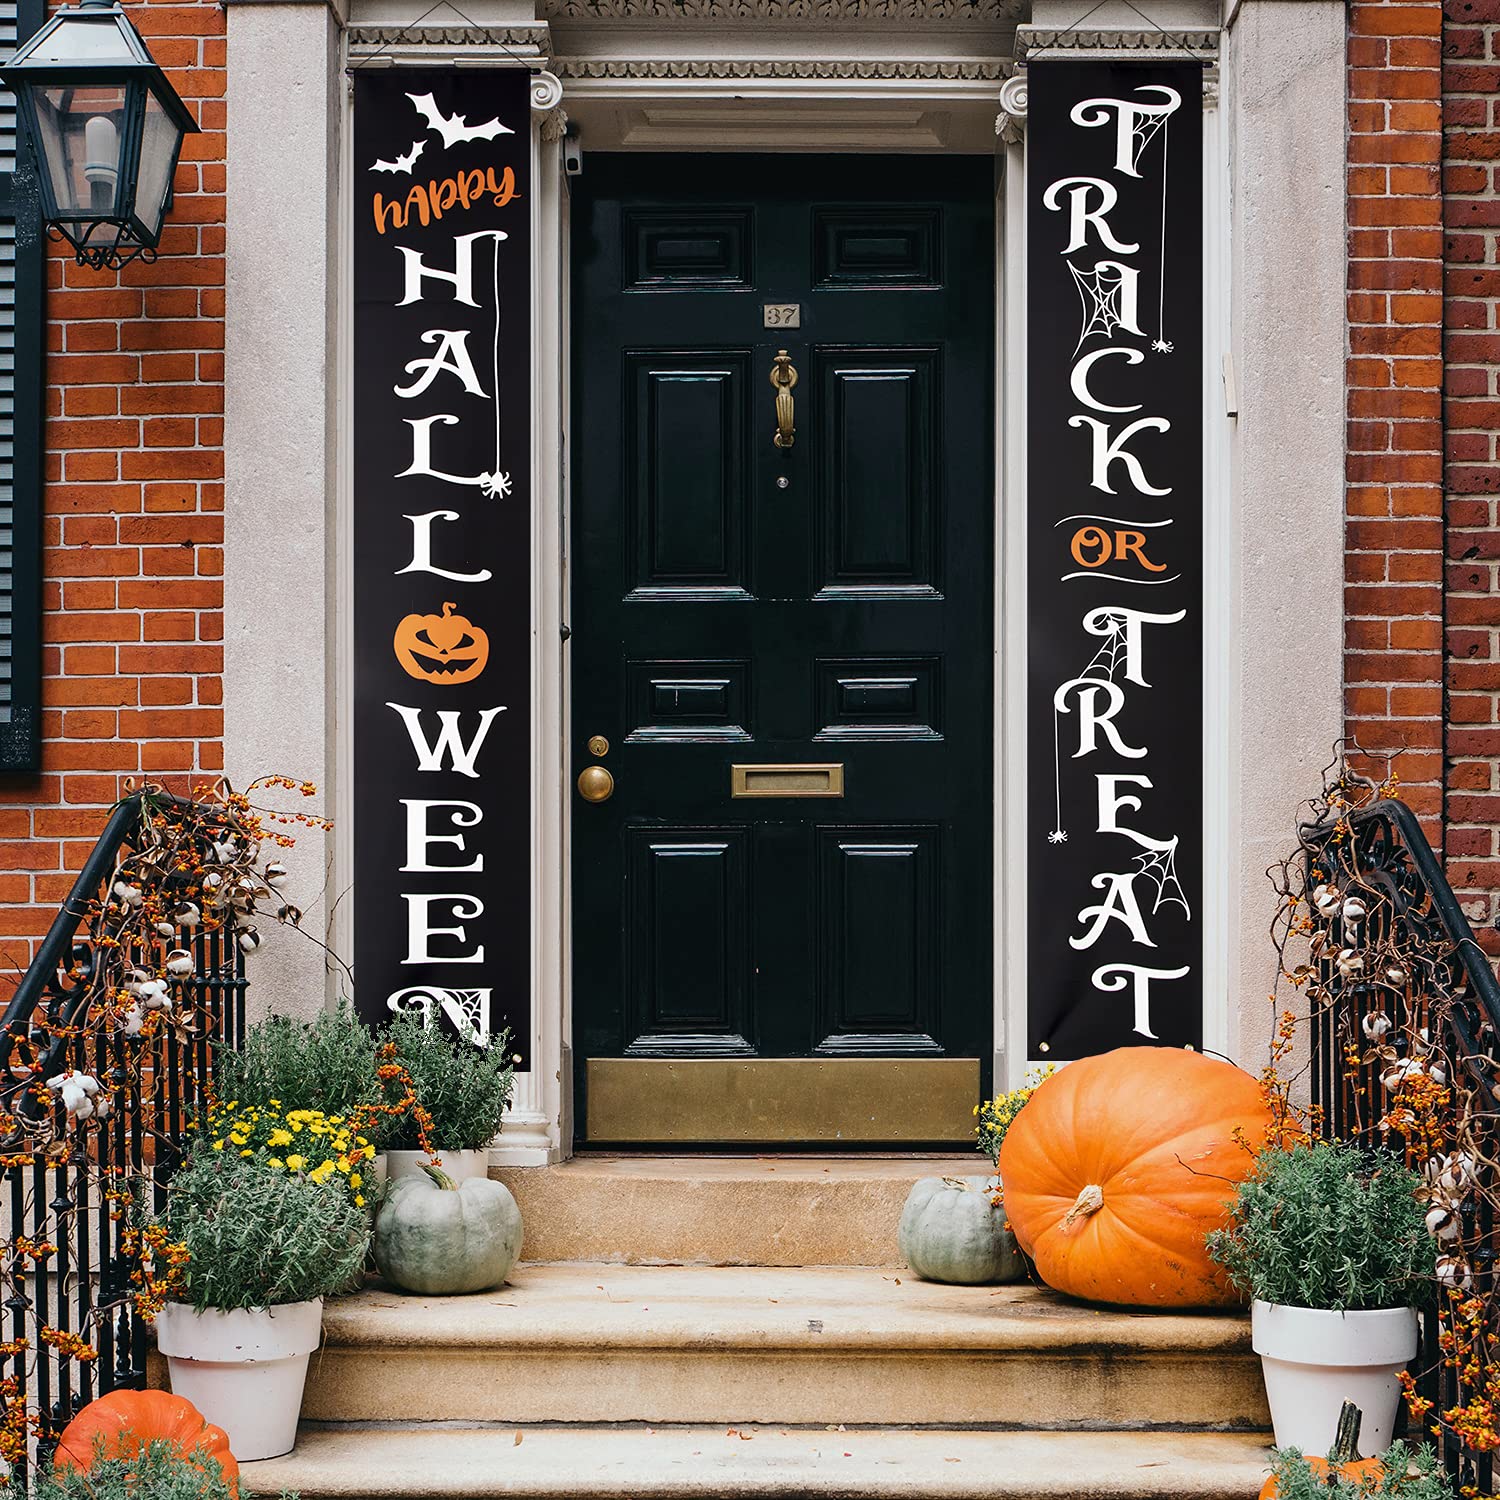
pixel 787 781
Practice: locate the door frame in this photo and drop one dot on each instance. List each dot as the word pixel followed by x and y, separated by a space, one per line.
pixel 795 138
pixel 988 1049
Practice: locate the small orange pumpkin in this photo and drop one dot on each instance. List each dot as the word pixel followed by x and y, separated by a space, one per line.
pixel 446 648
pixel 128 1420
pixel 1343 1463
pixel 1120 1165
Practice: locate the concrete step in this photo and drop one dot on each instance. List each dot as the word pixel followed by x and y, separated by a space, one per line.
pixel 581 1343
pixel 643 1463
pixel 722 1211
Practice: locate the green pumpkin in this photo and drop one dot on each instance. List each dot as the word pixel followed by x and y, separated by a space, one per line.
pixel 952 1230
pixel 436 1236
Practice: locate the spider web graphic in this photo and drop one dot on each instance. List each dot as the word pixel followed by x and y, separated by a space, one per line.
pixel 1106 660
pixel 1099 291
pixel 1143 133
pixel 1159 866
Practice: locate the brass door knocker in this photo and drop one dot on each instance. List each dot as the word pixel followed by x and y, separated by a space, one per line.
pixel 784 378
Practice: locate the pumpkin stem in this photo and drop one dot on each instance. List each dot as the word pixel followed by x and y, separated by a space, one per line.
pixel 1090 1201
pixel 440 1177
pixel 1346 1443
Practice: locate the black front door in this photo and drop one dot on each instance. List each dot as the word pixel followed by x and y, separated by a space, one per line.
pixel 782 646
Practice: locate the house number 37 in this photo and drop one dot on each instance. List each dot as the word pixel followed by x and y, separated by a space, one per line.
pixel 782 314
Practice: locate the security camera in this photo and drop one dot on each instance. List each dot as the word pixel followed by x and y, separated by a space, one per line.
pixel 572 153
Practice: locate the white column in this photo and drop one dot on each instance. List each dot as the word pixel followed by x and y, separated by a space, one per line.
pixel 1285 89
pixel 280 342
pixel 533 1134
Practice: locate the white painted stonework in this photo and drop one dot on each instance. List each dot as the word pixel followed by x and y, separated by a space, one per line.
pixel 797 75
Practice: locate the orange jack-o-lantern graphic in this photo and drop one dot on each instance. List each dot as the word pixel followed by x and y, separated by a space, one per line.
pixel 446 648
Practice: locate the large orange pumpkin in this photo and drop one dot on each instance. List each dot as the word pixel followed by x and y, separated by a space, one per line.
pixel 128 1420
pixel 1118 1167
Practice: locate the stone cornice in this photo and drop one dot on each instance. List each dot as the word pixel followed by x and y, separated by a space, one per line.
pixel 777 69
pixel 535 38
pixel 1031 40
pixel 986 12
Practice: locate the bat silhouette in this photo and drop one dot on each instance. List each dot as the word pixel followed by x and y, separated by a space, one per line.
pixel 402 163
pixel 455 128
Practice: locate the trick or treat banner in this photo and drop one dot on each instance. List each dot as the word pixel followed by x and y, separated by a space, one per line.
pixel 1114 566
pixel 442 499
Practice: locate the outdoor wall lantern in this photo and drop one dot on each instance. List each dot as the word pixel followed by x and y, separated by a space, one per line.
pixel 105 127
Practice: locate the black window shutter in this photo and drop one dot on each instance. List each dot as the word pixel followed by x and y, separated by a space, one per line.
pixel 22 386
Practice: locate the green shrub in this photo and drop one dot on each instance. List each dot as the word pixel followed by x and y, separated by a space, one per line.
pixel 1408 1474
pixel 464 1088
pixel 1328 1226
pixel 158 1471
pixel 257 1236
pixel 327 1063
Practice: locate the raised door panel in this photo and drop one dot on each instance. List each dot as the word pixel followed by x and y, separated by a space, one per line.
pixel 687 941
pixel 868 248
pixel 879 490
pixel 687 702
pixel 879 698
pixel 879 920
pixel 686 503
pixel 707 250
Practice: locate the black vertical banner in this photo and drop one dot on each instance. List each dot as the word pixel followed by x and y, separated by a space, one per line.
pixel 442 550
pixel 1114 259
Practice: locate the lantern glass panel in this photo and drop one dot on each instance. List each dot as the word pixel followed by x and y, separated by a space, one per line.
pixel 160 138
pixel 79 38
pixel 83 136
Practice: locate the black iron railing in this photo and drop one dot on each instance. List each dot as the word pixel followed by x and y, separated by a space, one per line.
pixel 73 1330
pixel 1403 990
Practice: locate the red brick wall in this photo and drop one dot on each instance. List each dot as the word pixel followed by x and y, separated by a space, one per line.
pixel 133 530
pixel 1394 530
pixel 1471 217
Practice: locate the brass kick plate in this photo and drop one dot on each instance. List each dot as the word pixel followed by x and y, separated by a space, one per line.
pixel 787 781
pixel 648 1101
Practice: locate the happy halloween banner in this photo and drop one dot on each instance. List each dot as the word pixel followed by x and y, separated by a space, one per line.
pixel 442 497
pixel 1114 569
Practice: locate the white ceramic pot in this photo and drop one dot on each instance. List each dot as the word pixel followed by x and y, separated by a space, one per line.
pixel 1314 1361
pixel 244 1370
pixel 459 1165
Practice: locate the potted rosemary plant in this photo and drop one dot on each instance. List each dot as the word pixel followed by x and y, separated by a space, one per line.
pixel 1330 1242
pixel 325 1063
pixel 464 1091
pixel 263 1245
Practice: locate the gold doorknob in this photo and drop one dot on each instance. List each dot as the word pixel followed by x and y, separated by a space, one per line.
pixel 595 784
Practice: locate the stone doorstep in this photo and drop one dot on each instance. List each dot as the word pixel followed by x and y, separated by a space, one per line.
pixel 704 1210
pixel 429 1462
pixel 585 1344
